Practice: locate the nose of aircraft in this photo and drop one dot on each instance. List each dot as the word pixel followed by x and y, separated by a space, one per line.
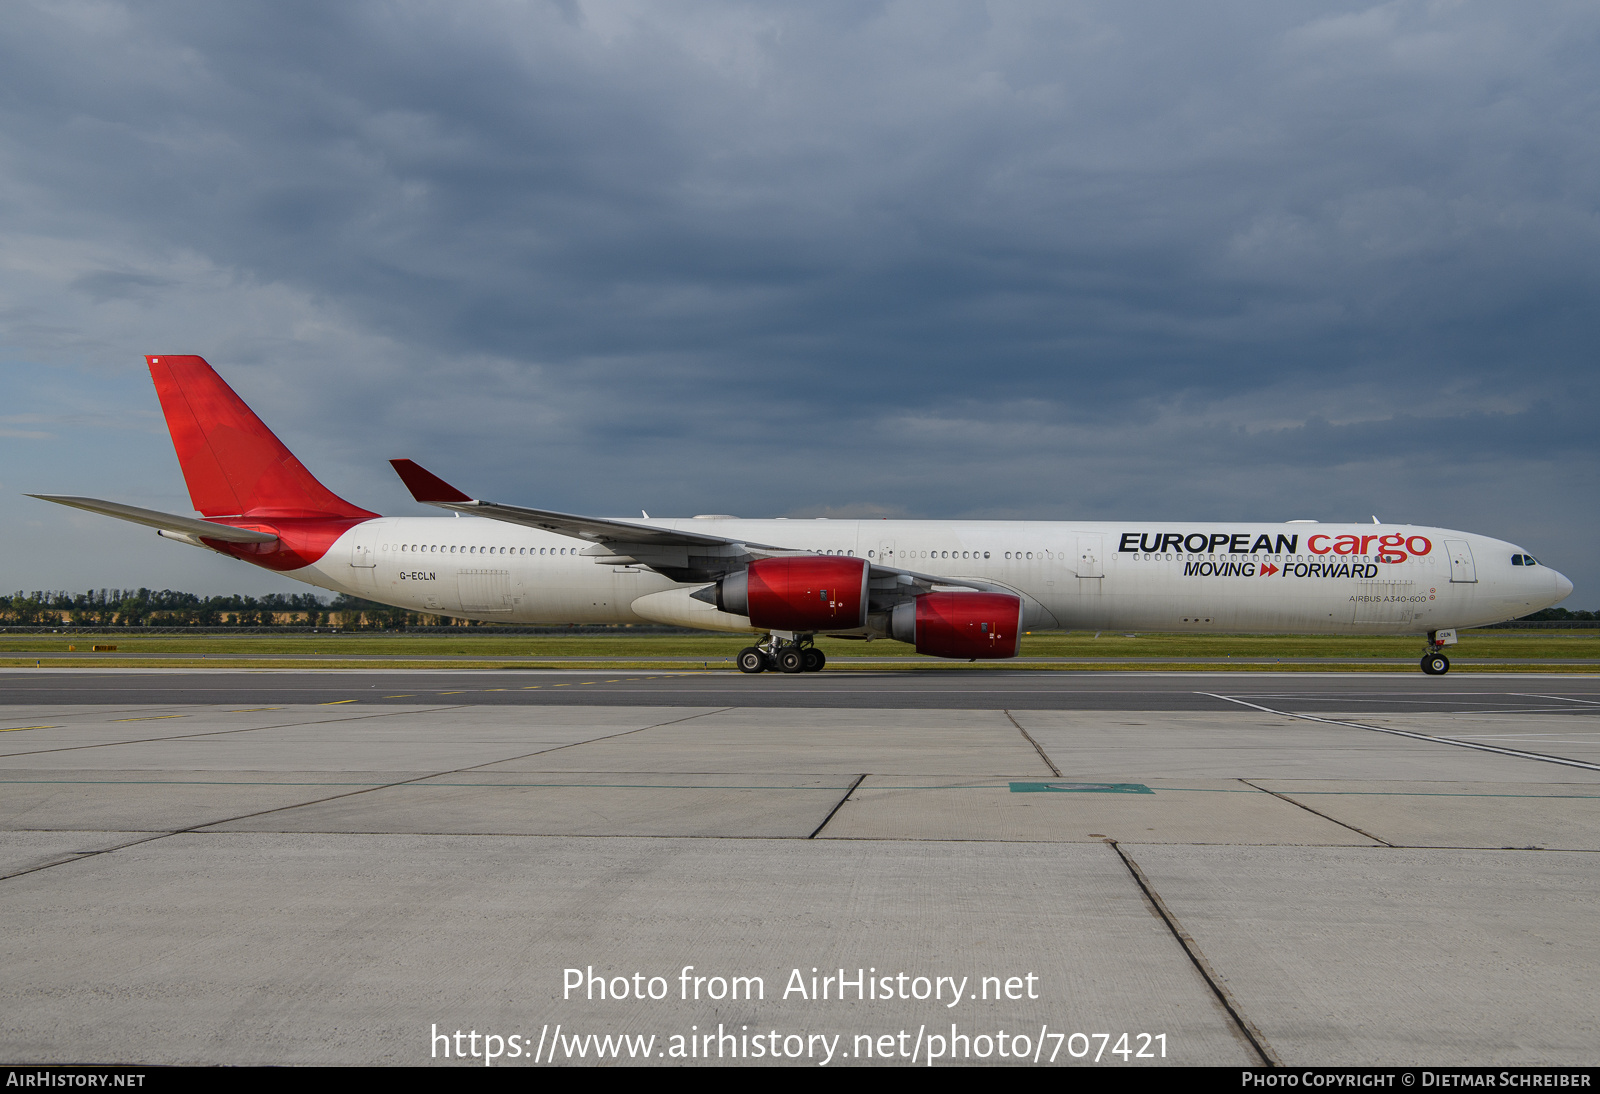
pixel 1563 586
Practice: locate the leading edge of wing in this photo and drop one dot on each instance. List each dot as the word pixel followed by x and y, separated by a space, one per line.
pixel 429 489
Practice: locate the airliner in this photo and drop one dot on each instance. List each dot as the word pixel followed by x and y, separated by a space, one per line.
pixel 952 588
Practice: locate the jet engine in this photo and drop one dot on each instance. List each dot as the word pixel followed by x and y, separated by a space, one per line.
pixel 969 625
pixel 799 593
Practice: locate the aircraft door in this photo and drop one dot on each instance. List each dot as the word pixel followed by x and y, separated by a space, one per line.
pixel 363 568
pixel 1087 558
pixel 1462 568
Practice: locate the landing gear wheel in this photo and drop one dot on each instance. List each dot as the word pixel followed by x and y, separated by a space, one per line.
pixel 814 659
pixel 1435 664
pixel 751 659
pixel 791 659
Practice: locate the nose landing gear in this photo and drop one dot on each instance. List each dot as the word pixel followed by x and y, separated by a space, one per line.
pixel 1434 662
pixel 798 654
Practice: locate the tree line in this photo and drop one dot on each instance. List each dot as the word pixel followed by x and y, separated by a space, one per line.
pixel 168 608
pixel 1558 615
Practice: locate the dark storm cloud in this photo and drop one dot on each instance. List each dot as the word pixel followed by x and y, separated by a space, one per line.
pixel 1031 259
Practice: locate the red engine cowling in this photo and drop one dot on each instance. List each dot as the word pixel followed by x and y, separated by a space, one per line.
pixel 817 593
pixel 987 625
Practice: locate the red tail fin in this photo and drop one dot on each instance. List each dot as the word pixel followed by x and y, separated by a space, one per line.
pixel 231 461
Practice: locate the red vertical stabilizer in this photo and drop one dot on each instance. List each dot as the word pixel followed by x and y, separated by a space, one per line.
pixel 231 462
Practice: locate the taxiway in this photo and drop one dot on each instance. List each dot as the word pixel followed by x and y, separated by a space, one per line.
pixel 320 867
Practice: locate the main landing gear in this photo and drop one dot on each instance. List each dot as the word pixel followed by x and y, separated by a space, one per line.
pixel 777 655
pixel 1434 662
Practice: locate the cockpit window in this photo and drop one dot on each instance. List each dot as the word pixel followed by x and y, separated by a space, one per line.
pixel 1524 560
pixel 1516 560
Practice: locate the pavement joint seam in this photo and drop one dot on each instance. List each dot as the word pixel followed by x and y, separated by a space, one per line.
pixel 608 737
pixel 1562 698
pixel 1246 1028
pixel 1048 762
pixel 1518 753
pixel 837 806
pixel 228 732
pixel 79 856
pixel 492 834
pixel 1324 816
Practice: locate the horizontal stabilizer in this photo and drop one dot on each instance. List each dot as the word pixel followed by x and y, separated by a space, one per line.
pixel 167 522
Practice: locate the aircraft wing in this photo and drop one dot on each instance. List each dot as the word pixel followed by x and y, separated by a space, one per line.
pixel 430 489
pixel 165 522
pixel 682 556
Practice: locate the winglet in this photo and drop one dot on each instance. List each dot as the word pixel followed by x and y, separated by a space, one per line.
pixel 424 485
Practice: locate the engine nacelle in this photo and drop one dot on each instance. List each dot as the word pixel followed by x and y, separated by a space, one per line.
pixel 986 625
pixel 803 593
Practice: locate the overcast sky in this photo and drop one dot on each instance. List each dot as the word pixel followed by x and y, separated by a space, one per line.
pixel 1046 260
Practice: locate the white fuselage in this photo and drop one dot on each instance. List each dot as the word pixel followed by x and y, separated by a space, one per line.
pixel 1133 575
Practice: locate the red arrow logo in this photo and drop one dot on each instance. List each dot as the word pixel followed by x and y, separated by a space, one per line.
pixel 1268 570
